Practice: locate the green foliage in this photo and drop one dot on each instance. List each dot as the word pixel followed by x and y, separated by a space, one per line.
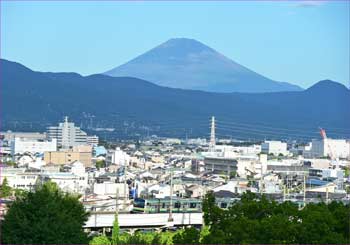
pixel 255 220
pixel 46 216
pixel 187 236
pixel 139 238
pixel 5 189
pixel 100 164
pixel 346 172
pixel 163 238
pixel 262 221
pixel 204 233
pixel 115 231
pixel 20 193
pixel 233 174
pixel 10 163
pixel 100 240
pixel 146 238
pixel 212 213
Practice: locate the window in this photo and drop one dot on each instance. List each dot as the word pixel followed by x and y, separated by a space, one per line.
pixel 193 205
pixel 223 205
pixel 177 205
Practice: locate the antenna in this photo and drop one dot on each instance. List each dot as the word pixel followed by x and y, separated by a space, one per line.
pixel 212 135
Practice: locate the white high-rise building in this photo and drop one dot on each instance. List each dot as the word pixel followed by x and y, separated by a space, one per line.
pixel 274 147
pixel 67 134
pixel 337 148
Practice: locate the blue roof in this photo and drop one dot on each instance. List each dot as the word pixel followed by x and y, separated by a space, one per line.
pixel 316 182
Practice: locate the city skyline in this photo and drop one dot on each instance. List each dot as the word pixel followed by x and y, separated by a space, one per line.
pixel 300 42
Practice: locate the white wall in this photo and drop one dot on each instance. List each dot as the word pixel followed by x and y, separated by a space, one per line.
pixel 117 157
pixel 20 146
pixel 274 147
pixel 110 188
pixel 339 148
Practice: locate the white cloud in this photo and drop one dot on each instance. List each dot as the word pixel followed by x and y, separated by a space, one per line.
pixel 311 3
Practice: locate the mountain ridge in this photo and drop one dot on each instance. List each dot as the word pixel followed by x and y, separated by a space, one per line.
pixel 190 64
pixel 42 99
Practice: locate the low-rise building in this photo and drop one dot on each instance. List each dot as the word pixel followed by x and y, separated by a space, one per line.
pixel 34 136
pixel 218 164
pixel 21 145
pixel 67 157
pixel 118 157
pixel 67 182
pixel 18 178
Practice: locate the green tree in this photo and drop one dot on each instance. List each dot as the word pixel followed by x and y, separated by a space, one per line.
pixel 100 240
pixel 165 238
pixel 347 172
pixel 10 163
pixel 20 193
pixel 233 174
pixel 140 238
pixel 212 213
pixel 187 236
pixel 258 220
pixel 115 231
pixel 321 225
pixel 5 189
pixel 46 216
pixel 204 233
pixel 100 164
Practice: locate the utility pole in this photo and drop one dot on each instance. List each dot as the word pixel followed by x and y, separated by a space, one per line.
pixel 171 219
pixel 212 135
pixel 125 189
pixel 116 200
pixel 261 178
pixel 304 190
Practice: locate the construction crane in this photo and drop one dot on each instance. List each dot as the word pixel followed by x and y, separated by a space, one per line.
pixel 334 161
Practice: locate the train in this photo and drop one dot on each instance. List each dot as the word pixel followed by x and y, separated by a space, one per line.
pixel 179 205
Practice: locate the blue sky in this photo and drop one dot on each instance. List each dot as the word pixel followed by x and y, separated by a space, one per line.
pixel 298 42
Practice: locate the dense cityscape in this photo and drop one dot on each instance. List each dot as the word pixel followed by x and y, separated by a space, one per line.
pixel 174 122
pixel 163 181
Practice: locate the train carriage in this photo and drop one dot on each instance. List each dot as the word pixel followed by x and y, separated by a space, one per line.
pixel 158 205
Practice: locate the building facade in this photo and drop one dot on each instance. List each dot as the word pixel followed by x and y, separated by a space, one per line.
pixel 92 140
pixel 20 146
pixel 337 148
pixel 67 134
pixel 67 157
pixel 118 157
pixel 220 165
pixel 274 147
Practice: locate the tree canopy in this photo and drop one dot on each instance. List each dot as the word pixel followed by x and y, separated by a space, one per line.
pixel 46 216
pixel 5 189
pixel 263 221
